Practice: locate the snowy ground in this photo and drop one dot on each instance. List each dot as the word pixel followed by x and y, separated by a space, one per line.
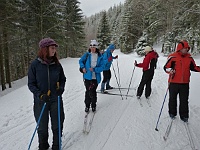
pixel 118 124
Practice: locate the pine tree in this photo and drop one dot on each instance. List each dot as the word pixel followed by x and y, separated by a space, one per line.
pixel 103 33
pixel 188 24
pixel 73 29
pixel 125 38
pixel 115 19
pixel 142 42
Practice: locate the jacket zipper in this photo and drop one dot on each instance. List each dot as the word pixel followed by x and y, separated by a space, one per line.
pixel 182 71
pixel 49 91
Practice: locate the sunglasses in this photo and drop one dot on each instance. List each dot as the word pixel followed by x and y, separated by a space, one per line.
pixel 93 45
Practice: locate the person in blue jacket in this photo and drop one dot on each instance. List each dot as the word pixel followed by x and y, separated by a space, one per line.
pixel 91 64
pixel 108 58
pixel 46 80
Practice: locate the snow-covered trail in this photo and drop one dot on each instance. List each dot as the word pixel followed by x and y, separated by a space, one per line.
pixel 124 124
pixel 118 124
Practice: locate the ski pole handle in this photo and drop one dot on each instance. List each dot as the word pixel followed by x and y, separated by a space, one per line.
pixel 49 92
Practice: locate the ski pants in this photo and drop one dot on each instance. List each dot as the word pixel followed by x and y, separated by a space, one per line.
pixel 145 81
pixel 106 75
pixel 51 110
pixel 90 93
pixel 183 91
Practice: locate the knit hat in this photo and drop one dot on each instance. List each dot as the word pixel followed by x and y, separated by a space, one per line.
pixel 94 43
pixel 47 42
pixel 182 44
pixel 111 47
pixel 147 49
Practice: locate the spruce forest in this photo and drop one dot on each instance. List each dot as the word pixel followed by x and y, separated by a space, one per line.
pixel 130 26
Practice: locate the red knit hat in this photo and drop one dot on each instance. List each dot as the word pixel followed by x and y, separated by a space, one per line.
pixel 182 44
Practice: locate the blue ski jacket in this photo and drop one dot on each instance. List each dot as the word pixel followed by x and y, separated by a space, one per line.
pixel 107 57
pixel 98 69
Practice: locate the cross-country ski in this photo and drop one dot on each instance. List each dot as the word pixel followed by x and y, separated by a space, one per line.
pixel 117 94
pixel 88 119
pixel 168 129
pixel 85 122
pixel 140 101
pixel 148 101
pixel 189 134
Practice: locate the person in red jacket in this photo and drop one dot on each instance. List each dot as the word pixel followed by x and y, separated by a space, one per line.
pixel 148 65
pixel 178 67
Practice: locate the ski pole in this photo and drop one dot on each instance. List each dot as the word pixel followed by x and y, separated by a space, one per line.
pixel 118 72
pixel 37 126
pixel 161 109
pixel 59 129
pixel 130 81
pixel 117 82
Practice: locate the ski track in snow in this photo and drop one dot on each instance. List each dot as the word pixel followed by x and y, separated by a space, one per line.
pixel 118 124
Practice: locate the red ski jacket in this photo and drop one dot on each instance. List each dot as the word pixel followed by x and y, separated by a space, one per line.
pixel 182 64
pixel 149 61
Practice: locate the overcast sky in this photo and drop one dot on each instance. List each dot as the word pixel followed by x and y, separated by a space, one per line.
pixel 90 7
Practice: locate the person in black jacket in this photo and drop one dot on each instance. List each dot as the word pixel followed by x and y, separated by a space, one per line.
pixel 46 80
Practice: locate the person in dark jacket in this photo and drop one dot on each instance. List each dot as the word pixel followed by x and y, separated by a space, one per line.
pixel 148 65
pixel 178 67
pixel 92 65
pixel 46 80
pixel 108 59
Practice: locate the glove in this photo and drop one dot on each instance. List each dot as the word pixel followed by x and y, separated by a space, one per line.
pixel 135 63
pixel 172 73
pixel 110 59
pixel 116 56
pixel 59 91
pixel 44 97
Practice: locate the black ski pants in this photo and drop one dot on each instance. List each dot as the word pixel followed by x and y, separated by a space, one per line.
pixel 51 110
pixel 90 93
pixel 145 81
pixel 183 91
pixel 106 75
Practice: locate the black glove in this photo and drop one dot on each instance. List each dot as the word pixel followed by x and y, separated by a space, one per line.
pixel 59 91
pixel 44 97
pixel 135 63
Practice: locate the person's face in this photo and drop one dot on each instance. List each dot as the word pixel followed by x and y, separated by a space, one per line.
pixel 112 50
pixel 52 50
pixel 93 48
pixel 184 50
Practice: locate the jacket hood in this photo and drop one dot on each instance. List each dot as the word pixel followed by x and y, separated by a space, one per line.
pixel 110 47
pixel 181 45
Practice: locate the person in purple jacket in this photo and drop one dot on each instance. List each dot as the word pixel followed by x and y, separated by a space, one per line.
pixel 46 80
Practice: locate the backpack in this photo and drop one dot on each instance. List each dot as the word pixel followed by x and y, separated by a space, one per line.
pixel 81 69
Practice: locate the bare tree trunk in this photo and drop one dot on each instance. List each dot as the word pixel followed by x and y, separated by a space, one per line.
pixel 162 51
pixel 7 66
pixel 23 67
pixel 3 85
pixel 28 54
